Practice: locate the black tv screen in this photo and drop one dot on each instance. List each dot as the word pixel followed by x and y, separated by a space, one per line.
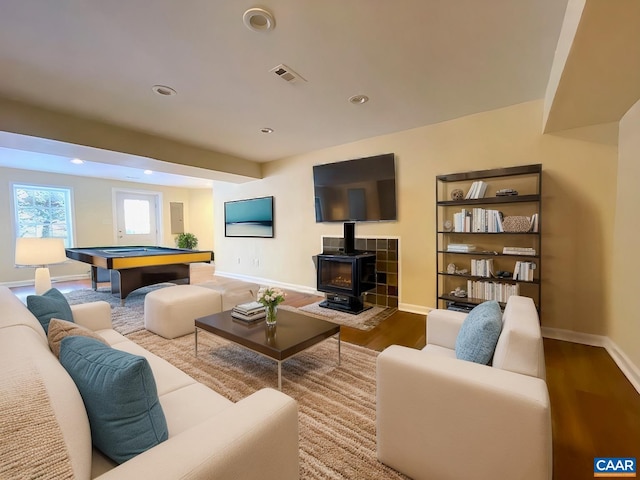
pixel 363 189
pixel 249 218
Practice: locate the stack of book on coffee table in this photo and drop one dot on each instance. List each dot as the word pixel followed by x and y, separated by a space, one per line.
pixel 248 312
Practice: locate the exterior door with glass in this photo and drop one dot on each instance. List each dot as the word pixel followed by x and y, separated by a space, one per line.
pixel 136 218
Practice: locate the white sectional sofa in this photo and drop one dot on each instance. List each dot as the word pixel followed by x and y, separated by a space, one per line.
pixel 209 436
pixel 446 418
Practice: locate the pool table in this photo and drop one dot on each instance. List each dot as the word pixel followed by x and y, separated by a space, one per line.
pixel 133 267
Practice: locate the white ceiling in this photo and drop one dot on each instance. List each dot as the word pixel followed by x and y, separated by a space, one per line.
pixel 419 61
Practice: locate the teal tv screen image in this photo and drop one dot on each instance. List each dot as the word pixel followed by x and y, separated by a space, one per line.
pixel 252 217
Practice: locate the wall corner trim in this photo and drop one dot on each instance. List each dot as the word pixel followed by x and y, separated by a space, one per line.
pixel 624 363
pixel 418 309
pixel 630 370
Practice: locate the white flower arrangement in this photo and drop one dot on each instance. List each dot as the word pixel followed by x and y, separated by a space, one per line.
pixel 270 296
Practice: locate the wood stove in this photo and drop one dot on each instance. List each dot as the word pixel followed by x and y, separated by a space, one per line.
pixel 344 278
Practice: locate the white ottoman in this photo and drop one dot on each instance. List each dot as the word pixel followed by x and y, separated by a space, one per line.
pixel 233 291
pixel 170 312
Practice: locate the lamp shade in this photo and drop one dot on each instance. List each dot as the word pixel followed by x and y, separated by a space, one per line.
pixel 39 251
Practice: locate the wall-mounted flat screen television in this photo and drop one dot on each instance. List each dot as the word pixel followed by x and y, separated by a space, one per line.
pixel 252 217
pixel 363 189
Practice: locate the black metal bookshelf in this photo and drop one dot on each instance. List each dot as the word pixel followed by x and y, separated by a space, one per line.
pixel 527 202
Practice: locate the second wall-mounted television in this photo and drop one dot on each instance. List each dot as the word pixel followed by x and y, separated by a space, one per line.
pixel 252 217
pixel 363 189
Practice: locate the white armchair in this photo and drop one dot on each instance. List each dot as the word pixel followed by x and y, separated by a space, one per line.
pixel 443 418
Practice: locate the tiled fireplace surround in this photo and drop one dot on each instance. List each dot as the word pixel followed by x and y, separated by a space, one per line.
pixel 386 249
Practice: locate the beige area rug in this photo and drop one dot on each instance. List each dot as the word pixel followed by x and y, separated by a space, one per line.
pixel 363 321
pixel 126 319
pixel 336 402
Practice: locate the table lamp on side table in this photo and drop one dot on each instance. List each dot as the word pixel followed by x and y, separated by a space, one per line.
pixel 40 252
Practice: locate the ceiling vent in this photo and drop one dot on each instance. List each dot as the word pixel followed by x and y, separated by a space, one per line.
pixel 286 74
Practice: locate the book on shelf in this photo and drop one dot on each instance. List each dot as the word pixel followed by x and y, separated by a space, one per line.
pixel 498 218
pixel 471 190
pixel 460 247
pixel 518 251
pixel 477 220
pixel 481 267
pixel 462 221
pixel 523 271
pixel 482 188
pixel 477 190
pixel 490 290
pixel 534 223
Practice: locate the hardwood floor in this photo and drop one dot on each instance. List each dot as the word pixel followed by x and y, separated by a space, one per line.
pixel 595 410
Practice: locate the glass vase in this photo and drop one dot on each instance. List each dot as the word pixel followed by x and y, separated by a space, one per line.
pixel 270 334
pixel 272 313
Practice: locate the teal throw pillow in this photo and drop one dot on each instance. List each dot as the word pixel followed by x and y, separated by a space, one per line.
pixel 479 333
pixel 51 304
pixel 119 394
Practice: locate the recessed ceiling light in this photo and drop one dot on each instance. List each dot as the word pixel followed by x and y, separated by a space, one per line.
pixel 77 161
pixel 258 20
pixel 148 172
pixel 358 99
pixel 163 90
pixel 266 130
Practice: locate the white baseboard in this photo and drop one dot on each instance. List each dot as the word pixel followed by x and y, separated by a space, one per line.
pixel 273 283
pixel 418 309
pixel 624 363
pixel 574 337
pixel 69 278
pixel 54 280
pixel 631 371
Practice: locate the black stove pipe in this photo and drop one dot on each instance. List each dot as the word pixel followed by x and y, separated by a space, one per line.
pixel 350 238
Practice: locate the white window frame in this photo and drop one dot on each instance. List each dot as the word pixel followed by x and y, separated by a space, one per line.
pixel 69 204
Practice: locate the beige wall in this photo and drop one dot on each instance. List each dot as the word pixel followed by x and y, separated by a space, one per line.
pixel 624 327
pixel 579 183
pixel 92 199
pixel 199 215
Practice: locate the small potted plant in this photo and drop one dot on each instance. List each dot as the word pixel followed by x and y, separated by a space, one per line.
pixel 187 240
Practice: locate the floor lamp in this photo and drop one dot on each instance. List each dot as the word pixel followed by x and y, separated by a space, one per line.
pixel 40 253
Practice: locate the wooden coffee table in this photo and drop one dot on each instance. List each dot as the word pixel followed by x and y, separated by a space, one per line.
pixel 293 334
